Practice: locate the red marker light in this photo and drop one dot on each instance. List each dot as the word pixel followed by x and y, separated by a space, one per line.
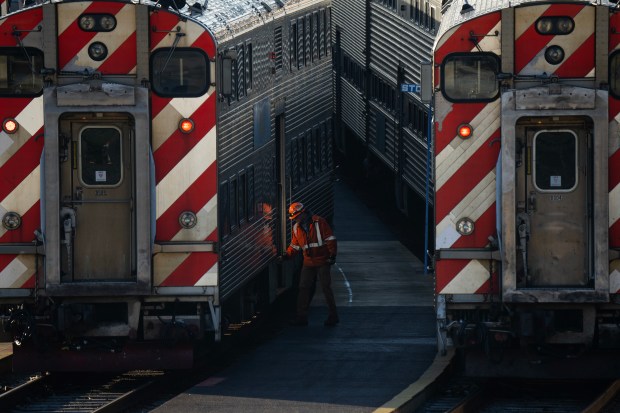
pixel 464 131
pixel 186 125
pixel 10 125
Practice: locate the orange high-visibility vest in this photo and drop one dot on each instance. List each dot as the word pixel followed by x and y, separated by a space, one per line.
pixel 317 245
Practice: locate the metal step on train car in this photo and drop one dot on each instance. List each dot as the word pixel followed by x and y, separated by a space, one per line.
pixel 147 155
pixel 527 176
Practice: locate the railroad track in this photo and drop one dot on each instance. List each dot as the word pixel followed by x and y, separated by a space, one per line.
pixel 466 395
pixel 131 391
pixel 80 393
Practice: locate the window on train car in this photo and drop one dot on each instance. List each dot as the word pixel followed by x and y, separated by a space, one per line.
pixel 470 77
pixel 314 28
pixel 223 207
pixel 250 198
pixel 20 71
pixel 101 162
pixel 261 112
pixel 239 73
pixel 180 72
pixel 233 211
pixel 277 46
pixel 243 188
pixel 301 30
pixel 293 45
pixel 555 160
pixel 249 70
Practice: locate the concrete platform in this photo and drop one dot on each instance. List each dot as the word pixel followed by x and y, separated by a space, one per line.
pixel 385 340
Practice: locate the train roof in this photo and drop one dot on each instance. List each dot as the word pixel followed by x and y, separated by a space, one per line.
pixel 224 18
pixel 227 18
pixel 461 11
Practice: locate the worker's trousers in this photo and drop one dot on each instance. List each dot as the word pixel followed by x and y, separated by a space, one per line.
pixel 307 283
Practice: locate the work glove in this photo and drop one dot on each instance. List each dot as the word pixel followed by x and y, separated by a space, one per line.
pixel 331 260
pixel 281 258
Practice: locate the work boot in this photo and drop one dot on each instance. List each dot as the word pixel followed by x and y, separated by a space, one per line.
pixel 299 322
pixel 331 321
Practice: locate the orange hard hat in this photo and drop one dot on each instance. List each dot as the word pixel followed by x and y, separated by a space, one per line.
pixel 295 209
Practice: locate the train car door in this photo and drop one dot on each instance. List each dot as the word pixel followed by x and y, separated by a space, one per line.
pixel 553 216
pixel 96 196
pixel 283 182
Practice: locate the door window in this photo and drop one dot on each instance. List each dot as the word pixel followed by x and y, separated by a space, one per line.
pixel 101 161
pixel 555 161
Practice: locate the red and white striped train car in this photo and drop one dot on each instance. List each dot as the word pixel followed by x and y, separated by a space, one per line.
pixel 145 167
pixel 527 177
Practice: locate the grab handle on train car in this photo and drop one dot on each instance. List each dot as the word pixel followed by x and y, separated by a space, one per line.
pixel 68 218
pixel 531 202
pixel 523 227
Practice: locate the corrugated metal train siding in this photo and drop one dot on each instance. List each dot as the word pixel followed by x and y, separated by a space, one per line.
pixel 349 16
pixel 308 101
pixel 386 151
pixel 415 162
pixel 395 41
pixel 353 112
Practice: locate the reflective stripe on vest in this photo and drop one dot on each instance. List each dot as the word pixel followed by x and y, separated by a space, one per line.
pixel 318 234
pixel 320 242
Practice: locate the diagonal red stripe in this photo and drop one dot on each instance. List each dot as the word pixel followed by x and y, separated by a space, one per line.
pixel 580 63
pixel 123 60
pixel 31 220
pixel 190 270
pixel 488 288
pixel 483 229
pixel 22 163
pixel 446 270
pixel 158 103
pixel 614 170
pixel 614 108
pixel 614 35
pixel 459 41
pixel 467 177
pixel 30 282
pixel 206 43
pixel 460 113
pixel 196 197
pixel 11 107
pixel 530 43
pixel 162 23
pixel 26 20
pixel 73 39
pixel 5 260
pixel 177 146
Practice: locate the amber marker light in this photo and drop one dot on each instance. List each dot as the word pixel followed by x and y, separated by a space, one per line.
pixel 10 125
pixel 464 131
pixel 186 125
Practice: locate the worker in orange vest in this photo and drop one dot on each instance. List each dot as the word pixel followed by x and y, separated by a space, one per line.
pixel 312 236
